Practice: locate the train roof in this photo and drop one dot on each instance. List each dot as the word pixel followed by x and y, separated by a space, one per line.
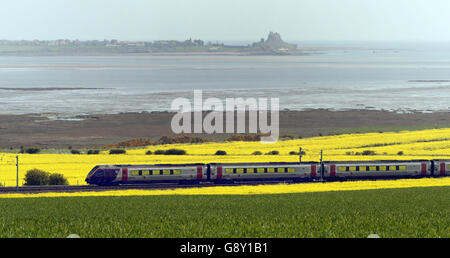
pixel 157 165
pixel 266 163
pixel 376 161
pixel 276 163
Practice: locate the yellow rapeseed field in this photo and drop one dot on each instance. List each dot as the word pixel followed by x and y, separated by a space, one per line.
pixel 425 144
pixel 260 189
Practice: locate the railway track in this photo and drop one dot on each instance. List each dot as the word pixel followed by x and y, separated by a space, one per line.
pixel 158 186
pixel 93 188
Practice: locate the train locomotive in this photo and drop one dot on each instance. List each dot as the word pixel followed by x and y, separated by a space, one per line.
pixel 279 171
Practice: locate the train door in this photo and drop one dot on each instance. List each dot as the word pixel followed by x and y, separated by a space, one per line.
pixel 208 172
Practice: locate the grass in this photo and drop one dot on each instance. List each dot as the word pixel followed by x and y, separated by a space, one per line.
pixel 413 212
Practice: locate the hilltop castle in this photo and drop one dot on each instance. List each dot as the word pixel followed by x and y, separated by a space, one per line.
pixel 274 43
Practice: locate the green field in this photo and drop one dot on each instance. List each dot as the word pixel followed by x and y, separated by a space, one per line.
pixel 413 212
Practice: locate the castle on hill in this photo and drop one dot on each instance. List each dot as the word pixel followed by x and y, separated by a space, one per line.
pixel 274 43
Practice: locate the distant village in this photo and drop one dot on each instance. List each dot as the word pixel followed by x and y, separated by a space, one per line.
pixel 103 43
pixel 272 45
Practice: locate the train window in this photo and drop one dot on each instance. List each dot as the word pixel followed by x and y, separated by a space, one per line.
pixel 135 173
pixel 352 168
pixel 145 172
pixel 372 168
pixel 177 172
pixel 250 170
pixel 283 170
pixel 448 166
pixel 382 168
pixel 402 167
pixel 291 170
pixel 270 170
pixel 342 169
pixel 362 168
pixel 166 172
pixel 260 170
pixel 392 168
pixel 93 170
pixel 229 171
pixel 240 170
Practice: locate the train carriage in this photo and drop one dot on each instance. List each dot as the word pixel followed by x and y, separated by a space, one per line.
pixel 441 167
pixel 376 169
pixel 134 174
pixel 264 171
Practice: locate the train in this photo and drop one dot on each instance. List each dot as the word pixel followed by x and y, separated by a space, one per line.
pixel 276 171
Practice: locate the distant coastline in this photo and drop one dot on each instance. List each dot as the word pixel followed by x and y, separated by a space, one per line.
pixel 273 45
pixel 50 88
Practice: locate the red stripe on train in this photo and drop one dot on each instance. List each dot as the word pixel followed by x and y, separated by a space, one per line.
pixel 199 172
pixel 424 169
pixel 442 170
pixel 313 170
pixel 332 170
pixel 124 174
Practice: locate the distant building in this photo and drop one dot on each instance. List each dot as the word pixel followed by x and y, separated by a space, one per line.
pixel 274 43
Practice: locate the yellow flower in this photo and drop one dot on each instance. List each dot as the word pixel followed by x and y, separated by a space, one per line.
pixel 426 144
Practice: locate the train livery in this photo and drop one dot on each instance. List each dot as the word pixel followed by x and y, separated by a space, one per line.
pixel 280 171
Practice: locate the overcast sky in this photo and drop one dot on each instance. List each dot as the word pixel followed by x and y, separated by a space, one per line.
pixel 239 20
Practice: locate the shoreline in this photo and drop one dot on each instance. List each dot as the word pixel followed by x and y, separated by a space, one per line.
pixel 93 114
pixel 192 53
pixel 90 131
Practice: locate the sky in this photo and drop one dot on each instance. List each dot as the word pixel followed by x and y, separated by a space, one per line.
pixel 231 20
